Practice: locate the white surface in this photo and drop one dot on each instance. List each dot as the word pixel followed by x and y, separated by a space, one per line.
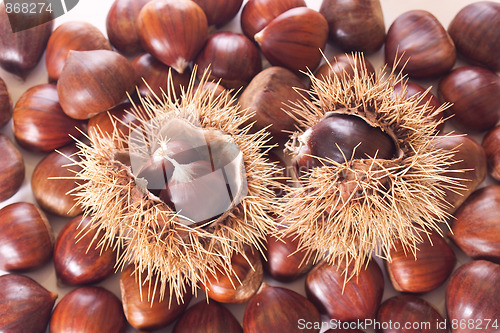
pixel 95 11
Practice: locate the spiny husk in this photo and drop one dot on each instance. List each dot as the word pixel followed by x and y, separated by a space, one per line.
pixel 145 230
pixel 346 212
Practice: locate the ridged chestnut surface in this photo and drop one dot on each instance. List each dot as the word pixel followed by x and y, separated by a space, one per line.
pixel 40 123
pixel 11 168
pixel 355 25
pixel 94 81
pixel 475 96
pixel 418 40
pixel 71 36
pixel 476 33
pixel 173 31
pixel 476 227
pixel 51 182
pixel 78 257
pixel 26 237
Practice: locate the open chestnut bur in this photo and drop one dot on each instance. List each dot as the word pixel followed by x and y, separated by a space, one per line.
pixel 185 191
pixel 366 168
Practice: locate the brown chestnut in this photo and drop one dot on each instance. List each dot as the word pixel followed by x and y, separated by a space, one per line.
pixel 338 137
pixel 409 314
pixel 426 269
pixel 475 95
pixel 476 227
pixel 94 81
pixel 11 168
pixel 284 261
pixel 476 31
pixel 218 55
pixel 165 33
pixel 294 39
pixel 219 12
pixel 257 14
pixel 71 36
pixel 355 25
pixel 416 91
pixel 241 284
pixel 23 39
pixel 491 146
pixel 80 257
pixel 358 298
pixel 207 317
pixel 121 25
pixel 39 122
pixel 417 41
pixel 5 104
pixel 25 237
pixel 276 309
pixel 25 305
pixel 89 310
pixel 152 76
pixel 269 96
pixel 52 182
pixel 469 166
pixel 344 64
pixel 141 301
pixel 472 297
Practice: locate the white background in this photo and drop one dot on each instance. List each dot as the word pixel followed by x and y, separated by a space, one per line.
pixel 95 11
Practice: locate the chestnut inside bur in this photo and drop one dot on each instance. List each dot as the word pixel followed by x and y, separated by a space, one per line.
pixel 198 173
pixel 340 138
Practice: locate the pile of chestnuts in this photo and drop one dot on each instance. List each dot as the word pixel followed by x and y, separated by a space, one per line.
pixel 66 80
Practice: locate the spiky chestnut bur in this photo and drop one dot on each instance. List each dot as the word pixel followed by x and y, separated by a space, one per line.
pixel 124 196
pixel 356 198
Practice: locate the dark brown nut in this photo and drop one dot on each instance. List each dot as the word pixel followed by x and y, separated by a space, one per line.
pixel 207 317
pixel 173 31
pixel 491 146
pixel 276 309
pixel 294 39
pixel 476 227
pixel 152 76
pixel 344 64
pixel 472 297
pixel 239 286
pixel 121 25
pixel 71 36
pixel 284 261
pixel 257 14
pixel 219 12
pixel 355 25
pixel 475 95
pixel 89 310
pixel 39 122
pixel 269 95
pixel 476 31
pixel 409 314
pixel 11 169
pixel 26 237
pixel 21 49
pixel 219 56
pixel 24 304
pixel 359 298
pixel 417 39
pixel 5 104
pixel 92 82
pixel 142 304
pixel 426 269
pixel 51 182
pixel 80 257
pixel 469 166
pixel 416 91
